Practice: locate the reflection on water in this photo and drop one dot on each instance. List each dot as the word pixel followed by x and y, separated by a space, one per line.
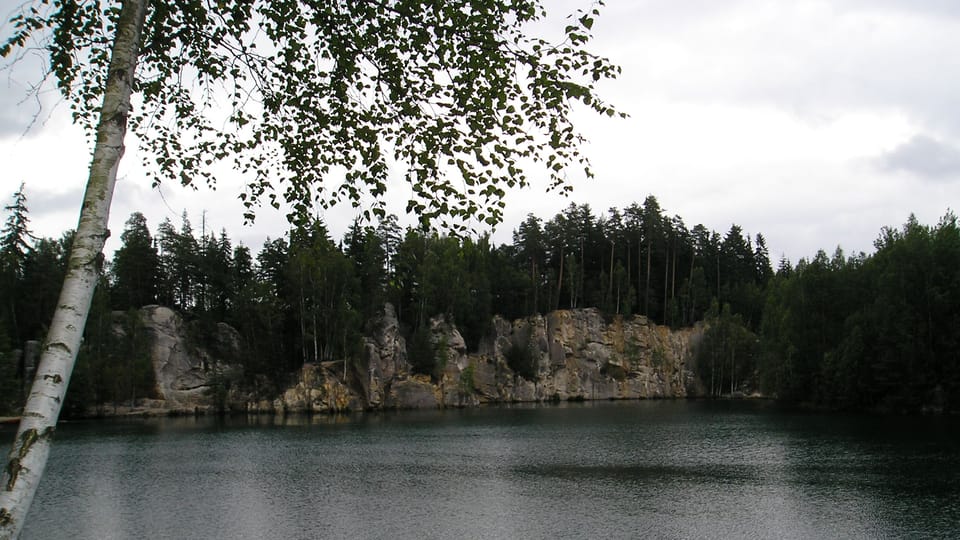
pixel 670 469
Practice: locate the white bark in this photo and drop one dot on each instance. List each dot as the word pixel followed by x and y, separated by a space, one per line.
pixel 27 459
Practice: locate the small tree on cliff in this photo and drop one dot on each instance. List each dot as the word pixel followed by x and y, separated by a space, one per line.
pixel 313 101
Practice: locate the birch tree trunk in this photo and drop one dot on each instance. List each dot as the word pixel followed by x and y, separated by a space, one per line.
pixel 28 458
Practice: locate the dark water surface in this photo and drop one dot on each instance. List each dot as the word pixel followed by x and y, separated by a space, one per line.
pixel 653 469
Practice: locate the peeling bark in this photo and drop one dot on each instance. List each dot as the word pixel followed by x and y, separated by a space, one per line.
pixel 27 459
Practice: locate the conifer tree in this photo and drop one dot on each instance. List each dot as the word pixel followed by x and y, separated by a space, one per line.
pixel 14 243
pixel 135 266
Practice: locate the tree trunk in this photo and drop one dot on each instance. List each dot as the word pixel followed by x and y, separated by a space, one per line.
pixel 559 281
pixel 583 272
pixel 640 293
pixel 536 285
pixel 733 369
pixel 713 369
pixel 666 281
pixel 646 288
pixel 629 280
pixel 613 251
pixel 303 320
pixel 673 274
pixel 693 296
pixel 719 300
pixel 28 458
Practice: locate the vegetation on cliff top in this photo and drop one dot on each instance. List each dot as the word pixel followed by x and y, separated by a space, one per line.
pixel 860 331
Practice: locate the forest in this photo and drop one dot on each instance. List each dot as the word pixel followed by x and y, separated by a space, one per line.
pixel 857 332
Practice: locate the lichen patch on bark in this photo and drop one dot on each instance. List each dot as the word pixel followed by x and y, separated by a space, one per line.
pixel 26 441
pixel 59 345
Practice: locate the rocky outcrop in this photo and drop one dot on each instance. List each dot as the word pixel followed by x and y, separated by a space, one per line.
pixel 412 393
pixel 186 370
pixel 319 388
pixel 564 355
pixel 571 355
pixel 385 355
pixel 580 356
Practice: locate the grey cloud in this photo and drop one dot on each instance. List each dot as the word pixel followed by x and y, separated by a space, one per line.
pixel 23 110
pixel 924 156
pixel 16 114
pixel 43 203
pixel 817 62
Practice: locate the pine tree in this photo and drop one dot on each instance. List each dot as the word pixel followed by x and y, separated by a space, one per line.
pixel 14 244
pixel 136 266
pixel 761 257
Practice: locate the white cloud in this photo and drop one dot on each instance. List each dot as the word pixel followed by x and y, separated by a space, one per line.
pixel 771 115
pixel 815 59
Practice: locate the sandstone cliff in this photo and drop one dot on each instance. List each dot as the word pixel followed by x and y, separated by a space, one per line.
pixel 571 355
pixel 577 356
pixel 189 372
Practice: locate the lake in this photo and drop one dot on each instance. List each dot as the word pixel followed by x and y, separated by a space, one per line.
pixel 648 469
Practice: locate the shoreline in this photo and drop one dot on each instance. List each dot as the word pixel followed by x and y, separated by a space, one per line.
pixel 127 412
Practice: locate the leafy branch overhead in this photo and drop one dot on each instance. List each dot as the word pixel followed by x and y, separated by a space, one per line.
pixel 316 101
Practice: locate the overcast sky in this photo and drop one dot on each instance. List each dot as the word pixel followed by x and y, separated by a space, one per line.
pixel 814 123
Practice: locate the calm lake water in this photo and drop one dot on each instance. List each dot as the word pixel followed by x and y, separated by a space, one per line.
pixel 651 469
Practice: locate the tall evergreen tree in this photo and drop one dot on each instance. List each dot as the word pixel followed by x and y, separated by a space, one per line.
pixel 273 325
pixel 214 272
pixel 653 234
pixel 15 235
pixel 136 266
pixel 14 244
pixel 761 258
pixel 366 250
pixel 530 250
pixel 43 270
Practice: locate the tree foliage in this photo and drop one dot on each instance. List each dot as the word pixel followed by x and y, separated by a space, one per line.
pixel 877 332
pixel 317 101
pixel 15 236
pixel 726 354
pixel 14 244
pixel 857 332
pixel 306 297
pixel 312 101
pixel 136 265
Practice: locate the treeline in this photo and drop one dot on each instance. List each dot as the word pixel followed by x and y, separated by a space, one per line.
pixel 307 297
pixel 870 332
pixel 858 332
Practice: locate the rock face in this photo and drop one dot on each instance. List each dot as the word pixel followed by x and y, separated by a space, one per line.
pixel 569 355
pixel 580 356
pixel 385 355
pixel 318 389
pixel 576 355
pixel 413 393
pixel 185 371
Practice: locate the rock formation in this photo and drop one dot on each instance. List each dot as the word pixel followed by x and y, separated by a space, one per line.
pixel 580 356
pixel 186 371
pixel 577 354
pixel 569 355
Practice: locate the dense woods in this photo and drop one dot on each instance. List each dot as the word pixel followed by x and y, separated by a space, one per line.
pixel 857 332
